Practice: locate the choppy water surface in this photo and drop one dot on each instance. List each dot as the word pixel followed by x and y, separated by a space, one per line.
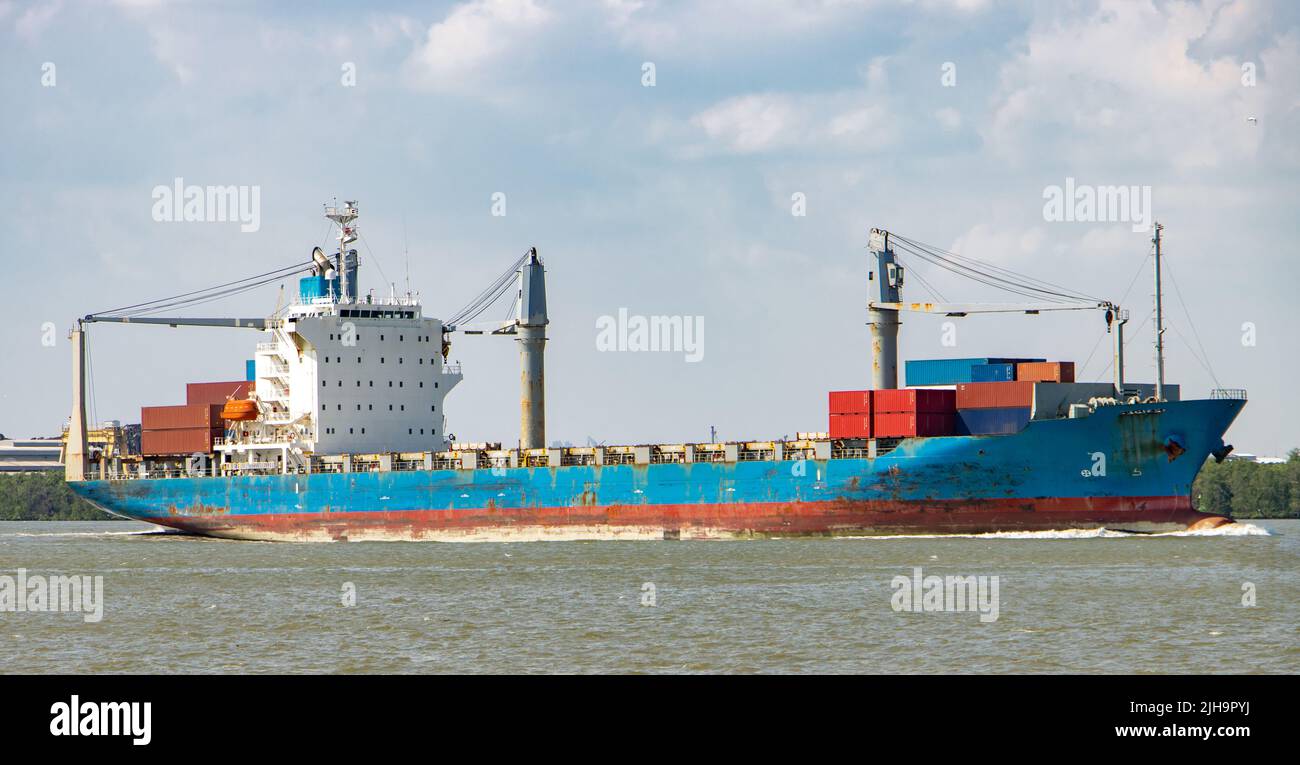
pixel 1069 602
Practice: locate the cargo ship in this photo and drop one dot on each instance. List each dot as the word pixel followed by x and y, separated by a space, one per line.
pixel 338 433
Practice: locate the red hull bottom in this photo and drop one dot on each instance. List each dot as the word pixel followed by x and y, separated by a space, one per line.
pixel 747 520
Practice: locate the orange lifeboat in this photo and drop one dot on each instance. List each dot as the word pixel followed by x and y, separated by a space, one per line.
pixel 239 410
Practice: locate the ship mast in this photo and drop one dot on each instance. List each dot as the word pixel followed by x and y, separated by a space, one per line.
pixel 1160 322
pixel 344 216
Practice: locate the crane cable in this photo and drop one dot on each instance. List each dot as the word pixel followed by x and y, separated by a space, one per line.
pixel 975 275
pixel 203 295
pixel 485 299
pixel 993 275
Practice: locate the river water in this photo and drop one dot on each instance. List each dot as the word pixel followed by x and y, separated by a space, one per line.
pixel 1068 602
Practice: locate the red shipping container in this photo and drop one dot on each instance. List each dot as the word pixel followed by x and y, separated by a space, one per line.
pixel 908 424
pixel 181 417
pixel 914 400
pixel 216 392
pixel 850 426
pixel 177 441
pixel 995 395
pixel 850 402
pixel 1046 371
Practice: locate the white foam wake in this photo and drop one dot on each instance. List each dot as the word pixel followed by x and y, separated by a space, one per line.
pixel 154 530
pixel 1229 530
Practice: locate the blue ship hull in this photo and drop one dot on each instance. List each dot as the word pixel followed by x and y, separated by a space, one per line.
pixel 1127 467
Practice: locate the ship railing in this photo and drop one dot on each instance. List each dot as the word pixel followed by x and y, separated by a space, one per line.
pixel 850 453
pixel 1238 394
pixel 619 458
pixel 887 445
pixel 451 369
pixel 660 457
pixel 268 347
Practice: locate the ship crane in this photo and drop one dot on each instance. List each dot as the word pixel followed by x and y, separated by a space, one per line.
pixel 528 326
pixel 887 303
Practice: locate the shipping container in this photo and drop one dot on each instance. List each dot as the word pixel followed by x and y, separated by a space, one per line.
pixel 216 392
pixel 914 400
pixel 250 370
pixel 993 373
pixel 850 426
pixel 918 372
pixel 850 402
pixel 177 441
pixel 994 395
pixel 908 424
pixel 987 422
pixel 181 417
pixel 1046 371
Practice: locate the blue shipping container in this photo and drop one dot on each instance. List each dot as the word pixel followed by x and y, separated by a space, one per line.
pixel 250 370
pixel 993 373
pixel 947 371
pixel 988 422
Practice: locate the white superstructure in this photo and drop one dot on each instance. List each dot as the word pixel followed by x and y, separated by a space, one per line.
pixel 341 374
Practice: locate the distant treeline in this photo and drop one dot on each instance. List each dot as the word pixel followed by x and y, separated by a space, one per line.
pixel 1235 487
pixel 1249 489
pixel 43 497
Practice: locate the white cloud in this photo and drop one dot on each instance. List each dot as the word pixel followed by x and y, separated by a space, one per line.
pixel 949 118
pixel 472 38
pixel 773 121
pixel 1120 86
pixel 33 21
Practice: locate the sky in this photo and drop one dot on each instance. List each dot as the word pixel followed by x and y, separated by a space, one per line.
pixel 719 162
